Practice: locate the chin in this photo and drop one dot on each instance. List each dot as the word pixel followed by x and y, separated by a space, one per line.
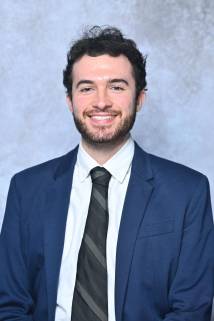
pixel 109 139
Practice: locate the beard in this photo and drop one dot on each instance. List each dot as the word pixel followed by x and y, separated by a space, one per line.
pixel 102 136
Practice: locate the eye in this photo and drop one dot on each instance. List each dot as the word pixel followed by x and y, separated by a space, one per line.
pixel 86 89
pixel 117 88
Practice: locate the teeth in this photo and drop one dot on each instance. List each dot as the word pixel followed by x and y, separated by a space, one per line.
pixel 102 117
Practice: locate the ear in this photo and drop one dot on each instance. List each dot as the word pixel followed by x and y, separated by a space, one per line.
pixel 140 100
pixel 69 103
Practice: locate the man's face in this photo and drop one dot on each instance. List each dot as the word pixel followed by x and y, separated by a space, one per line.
pixel 103 98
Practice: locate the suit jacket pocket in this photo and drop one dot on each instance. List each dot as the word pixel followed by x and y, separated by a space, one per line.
pixel 163 227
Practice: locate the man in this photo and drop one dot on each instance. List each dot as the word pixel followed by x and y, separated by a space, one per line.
pixel 107 232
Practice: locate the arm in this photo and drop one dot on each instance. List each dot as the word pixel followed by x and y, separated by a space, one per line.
pixel 15 300
pixel 191 292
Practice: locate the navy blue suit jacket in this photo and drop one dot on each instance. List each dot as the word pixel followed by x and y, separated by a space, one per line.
pixel 164 263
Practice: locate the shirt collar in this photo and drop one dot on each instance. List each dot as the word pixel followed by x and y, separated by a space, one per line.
pixel 118 165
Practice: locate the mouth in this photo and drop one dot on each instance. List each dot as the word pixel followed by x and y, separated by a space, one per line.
pixel 102 118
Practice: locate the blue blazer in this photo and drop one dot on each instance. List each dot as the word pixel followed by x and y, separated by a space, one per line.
pixel 164 263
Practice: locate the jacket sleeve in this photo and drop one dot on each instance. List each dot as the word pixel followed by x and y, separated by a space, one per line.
pixel 191 292
pixel 15 299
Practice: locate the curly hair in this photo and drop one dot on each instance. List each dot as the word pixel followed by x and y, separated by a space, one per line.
pixel 98 41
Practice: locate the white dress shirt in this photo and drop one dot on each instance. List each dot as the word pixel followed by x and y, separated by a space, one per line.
pixel 120 168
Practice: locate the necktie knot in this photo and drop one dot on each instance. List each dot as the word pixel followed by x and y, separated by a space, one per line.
pixel 99 175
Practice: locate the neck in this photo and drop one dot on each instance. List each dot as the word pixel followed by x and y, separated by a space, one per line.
pixel 102 152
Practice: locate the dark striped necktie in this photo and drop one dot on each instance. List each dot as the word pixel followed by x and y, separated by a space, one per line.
pixel 90 300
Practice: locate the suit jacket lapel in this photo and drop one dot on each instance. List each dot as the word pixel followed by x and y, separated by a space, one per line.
pixel 58 197
pixel 137 197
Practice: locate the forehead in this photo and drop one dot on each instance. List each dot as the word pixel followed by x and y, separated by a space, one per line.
pixel 88 67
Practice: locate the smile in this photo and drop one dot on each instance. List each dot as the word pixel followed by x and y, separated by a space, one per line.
pixel 102 117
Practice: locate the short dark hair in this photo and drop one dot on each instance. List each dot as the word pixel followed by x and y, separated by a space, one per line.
pixel 98 41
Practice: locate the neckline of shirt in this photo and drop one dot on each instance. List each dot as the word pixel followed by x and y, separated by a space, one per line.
pixel 117 166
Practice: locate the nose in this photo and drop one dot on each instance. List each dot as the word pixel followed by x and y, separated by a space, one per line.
pixel 102 99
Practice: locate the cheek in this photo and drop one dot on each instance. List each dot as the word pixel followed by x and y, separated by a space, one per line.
pixel 124 102
pixel 127 106
pixel 79 104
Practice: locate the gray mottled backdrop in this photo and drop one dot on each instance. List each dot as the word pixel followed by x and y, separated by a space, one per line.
pixel 177 121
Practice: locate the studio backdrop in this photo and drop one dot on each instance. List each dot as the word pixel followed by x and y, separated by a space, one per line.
pixel 177 120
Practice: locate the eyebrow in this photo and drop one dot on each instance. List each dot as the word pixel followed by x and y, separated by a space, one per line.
pixel 111 81
pixel 84 81
pixel 119 80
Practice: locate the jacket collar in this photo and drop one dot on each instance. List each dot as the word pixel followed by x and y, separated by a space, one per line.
pixel 137 198
pixel 55 216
